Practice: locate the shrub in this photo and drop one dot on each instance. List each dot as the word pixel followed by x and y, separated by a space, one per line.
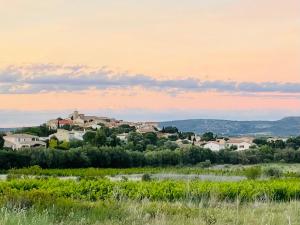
pixel 253 172
pixel 273 172
pixel 146 177
pixel 124 178
pixel 205 164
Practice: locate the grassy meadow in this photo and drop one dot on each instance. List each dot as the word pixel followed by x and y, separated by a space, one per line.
pixel 91 198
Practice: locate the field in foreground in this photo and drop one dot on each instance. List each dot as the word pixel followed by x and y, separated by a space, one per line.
pixel 91 198
pixel 67 212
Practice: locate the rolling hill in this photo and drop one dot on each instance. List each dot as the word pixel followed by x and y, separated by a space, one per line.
pixel 288 126
pixel 7 129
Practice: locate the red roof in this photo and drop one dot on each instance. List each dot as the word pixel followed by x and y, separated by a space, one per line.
pixel 65 122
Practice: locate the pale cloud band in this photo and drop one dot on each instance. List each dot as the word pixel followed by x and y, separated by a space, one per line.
pixel 43 78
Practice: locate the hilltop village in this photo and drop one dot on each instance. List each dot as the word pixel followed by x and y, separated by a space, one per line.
pixel 78 128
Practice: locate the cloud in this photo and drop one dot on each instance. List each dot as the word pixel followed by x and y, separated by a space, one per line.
pixel 38 78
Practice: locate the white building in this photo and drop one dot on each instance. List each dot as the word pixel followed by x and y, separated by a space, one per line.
pixel 123 137
pixel 214 145
pixel 96 126
pixel 65 135
pixel 240 145
pixel 19 141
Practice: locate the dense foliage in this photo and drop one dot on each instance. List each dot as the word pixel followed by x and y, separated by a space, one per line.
pixel 104 149
pixel 293 142
pixel 120 157
pixel 1 140
pixel 282 190
pixel 41 131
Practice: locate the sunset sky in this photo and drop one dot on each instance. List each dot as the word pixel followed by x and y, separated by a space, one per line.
pixel 149 59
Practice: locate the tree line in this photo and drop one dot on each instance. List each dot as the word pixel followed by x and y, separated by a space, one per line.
pixel 119 157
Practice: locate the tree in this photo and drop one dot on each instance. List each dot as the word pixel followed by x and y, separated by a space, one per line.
pixel 293 142
pixel 173 137
pixel 169 130
pixel 150 138
pixel 260 141
pixel 136 141
pixel 76 143
pixel 208 136
pixel 89 137
pixel 113 141
pixel 170 145
pixel 64 145
pixel 53 142
pixel 1 141
pixel 100 138
pixel 41 131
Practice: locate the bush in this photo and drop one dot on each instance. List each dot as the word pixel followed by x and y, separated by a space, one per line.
pixel 273 172
pixel 205 164
pixel 253 173
pixel 146 177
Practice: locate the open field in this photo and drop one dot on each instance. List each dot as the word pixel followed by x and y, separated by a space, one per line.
pixel 91 198
pixel 70 212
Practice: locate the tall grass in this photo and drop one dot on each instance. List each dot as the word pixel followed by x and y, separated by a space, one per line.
pixel 102 172
pixel 100 189
pixel 70 212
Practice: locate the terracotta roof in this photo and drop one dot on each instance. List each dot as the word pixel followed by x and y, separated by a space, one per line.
pixel 65 122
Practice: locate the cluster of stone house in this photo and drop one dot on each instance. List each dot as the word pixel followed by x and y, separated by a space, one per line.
pixel 238 144
pixel 81 120
pixel 18 141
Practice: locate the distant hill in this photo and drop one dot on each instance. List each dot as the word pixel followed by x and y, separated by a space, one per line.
pixel 7 129
pixel 289 126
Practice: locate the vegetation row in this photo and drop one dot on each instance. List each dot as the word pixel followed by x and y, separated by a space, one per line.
pixel 92 190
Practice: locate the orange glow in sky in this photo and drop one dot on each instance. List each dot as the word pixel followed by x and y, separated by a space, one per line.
pixel 249 42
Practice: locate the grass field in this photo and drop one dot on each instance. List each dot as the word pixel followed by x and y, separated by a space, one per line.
pixel 93 199
pixel 72 212
pixel 283 170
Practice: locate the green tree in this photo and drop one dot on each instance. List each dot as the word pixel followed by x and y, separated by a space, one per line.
pixel 169 130
pixel 89 137
pixel 208 136
pixel 100 138
pixel 64 145
pixel 170 145
pixel 76 143
pixel 150 138
pixel 1 141
pixel 136 140
pixel 53 142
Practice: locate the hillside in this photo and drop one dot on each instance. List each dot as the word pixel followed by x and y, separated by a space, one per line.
pixel 7 129
pixel 288 126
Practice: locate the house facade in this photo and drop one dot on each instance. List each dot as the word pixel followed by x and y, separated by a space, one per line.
pixel 19 141
pixel 214 145
pixel 239 143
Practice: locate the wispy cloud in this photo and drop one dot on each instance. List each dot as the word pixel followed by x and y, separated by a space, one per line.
pixel 39 78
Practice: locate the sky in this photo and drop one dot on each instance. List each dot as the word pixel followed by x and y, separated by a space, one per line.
pixel 149 59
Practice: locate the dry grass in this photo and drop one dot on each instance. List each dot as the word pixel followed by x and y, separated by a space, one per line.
pixel 155 213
